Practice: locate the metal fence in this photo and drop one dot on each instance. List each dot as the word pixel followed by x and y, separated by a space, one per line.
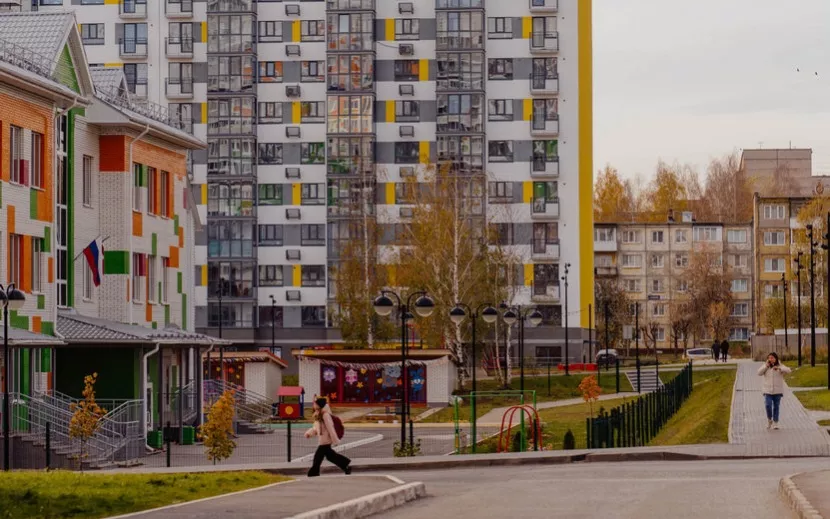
pixel 636 423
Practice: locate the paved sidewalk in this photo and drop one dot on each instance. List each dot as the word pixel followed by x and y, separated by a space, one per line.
pixel 494 417
pixel 799 434
pixel 806 493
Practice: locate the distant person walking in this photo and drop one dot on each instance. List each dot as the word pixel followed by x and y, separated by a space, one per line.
pixel 773 372
pixel 327 439
pixel 716 350
pixel 724 349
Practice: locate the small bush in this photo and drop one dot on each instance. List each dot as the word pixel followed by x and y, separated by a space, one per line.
pixel 569 442
pixel 407 450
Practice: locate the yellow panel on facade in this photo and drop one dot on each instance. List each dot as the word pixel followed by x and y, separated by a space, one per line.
pixel 112 65
pixel 390 111
pixel 423 70
pixel 392 272
pixel 390 193
pixel 204 113
pixel 204 32
pixel 390 29
pixel 586 153
pixel 423 152
pixel 295 30
pixel 296 194
pixel 296 112
pixel 204 194
pixel 204 276
pixel 527 192
pixel 111 2
pixel 527 26
pixel 528 275
pixel 297 276
pixel 527 109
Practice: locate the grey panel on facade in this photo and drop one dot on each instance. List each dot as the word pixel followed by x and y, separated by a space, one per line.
pixel 384 70
pixel 292 317
pixel 517 28
pixel 197 275
pixel 385 152
pixel 428 110
pixel 196 32
pixel 291 235
pixel 199 156
pixel 517 193
pixel 288 275
pixel 201 316
pixel 195 114
pixel 291 71
pixel 522 68
pixel 518 109
pixel 286 30
pixel 522 232
pixel 380 111
pixel 286 112
pixel 522 151
pixel 200 72
pixel 433 152
pixel 519 274
pixel 380 30
pixel 291 151
pixel 387 234
pixel 427 28
pixel 380 193
pixel 119 32
pixel 200 236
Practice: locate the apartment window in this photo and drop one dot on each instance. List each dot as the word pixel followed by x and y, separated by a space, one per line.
pixel 231 116
pixel 350 114
pixel 92 33
pixel 631 285
pixel 406 152
pixel 739 334
pixel 774 238
pixel 656 285
pixel 774 212
pixel 632 261
pixel 139 270
pixel 499 28
pixel 87 181
pixel 270 194
pixel 151 277
pixel 312 30
pixel 604 234
pixel 407 29
pixel 313 275
pixel 88 283
pixel 740 310
pixel 17 160
pixel 37 264
pixel 545 152
pixel 270 153
pixel 313 234
pixel 503 233
pixel 706 234
pixel 658 310
pixel 545 110
pixel 312 111
pixel 736 236
pixel 500 68
pixel 165 279
pixel 270 113
pixel 657 261
pixel 601 260
pixel 406 111
pixel 407 70
pixel 682 285
pixel 313 153
pixel 350 31
pixel 739 260
pixel 36 162
pixel 313 71
pixel 656 236
pixel 270 276
pixel 460 113
pixel 313 194
pixel 460 71
pixel 181 74
pixel 138 192
pixel 230 33
pixel 500 192
pixel 544 68
pixel 136 75
pixel 166 193
pixel 236 73
pixel 631 236
pixel 500 151
pixel 459 30
pixel 181 34
pixel 270 234
pixel 681 260
pixel 231 239
pixel 740 285
pixel 661 334
pixel 405 192
pixel 135 39
pixel 775 264
pixel 772 290
pixel 681 236
pixel 353 72
pixel 230 198
pixel 270 32
pixel 152 199
pixel 500 109
pixel 313 316
pixel 270 71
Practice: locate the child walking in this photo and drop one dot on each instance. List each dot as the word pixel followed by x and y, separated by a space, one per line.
pixel 773 372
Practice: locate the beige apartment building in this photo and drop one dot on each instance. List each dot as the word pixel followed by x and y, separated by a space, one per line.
pixel 783 172
pixel 650 261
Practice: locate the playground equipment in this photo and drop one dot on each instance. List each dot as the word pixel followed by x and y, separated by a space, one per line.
pixel 535 425
pixel 470 439
pixel 290 410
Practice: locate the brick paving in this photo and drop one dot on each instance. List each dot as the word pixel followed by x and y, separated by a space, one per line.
pixel 799 434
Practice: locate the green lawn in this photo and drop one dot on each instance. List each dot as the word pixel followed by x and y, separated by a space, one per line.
pixel 562 387
pixel 698 375
pixel 806 376
pixel 817 400
pixel 59 494
pixel 704 417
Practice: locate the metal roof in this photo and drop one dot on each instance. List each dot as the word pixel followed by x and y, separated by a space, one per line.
pixel 76 328
pixel 41 32
pixel 18 337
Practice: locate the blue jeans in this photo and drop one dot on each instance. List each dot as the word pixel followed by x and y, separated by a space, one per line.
pixel 772 404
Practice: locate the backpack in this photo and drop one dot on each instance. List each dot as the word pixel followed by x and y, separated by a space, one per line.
pixel 338 426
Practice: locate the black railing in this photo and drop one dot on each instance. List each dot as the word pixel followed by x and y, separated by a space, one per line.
pixel 540 163
pixel 540 245
pixel 177 46
pixel 636 423
pixel 133 46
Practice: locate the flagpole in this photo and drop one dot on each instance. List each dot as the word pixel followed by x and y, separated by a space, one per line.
pixel 82 252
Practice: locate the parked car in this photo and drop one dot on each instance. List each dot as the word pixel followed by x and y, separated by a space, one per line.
pixel 699 353
pixel 606 357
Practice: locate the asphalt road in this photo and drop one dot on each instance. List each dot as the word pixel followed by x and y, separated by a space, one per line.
pixel 630 490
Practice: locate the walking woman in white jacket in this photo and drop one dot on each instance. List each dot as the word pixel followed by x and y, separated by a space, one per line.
pixel 773 372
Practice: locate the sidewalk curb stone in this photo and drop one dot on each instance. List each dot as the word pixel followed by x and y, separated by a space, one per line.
pixel 369 505
pixel 791 495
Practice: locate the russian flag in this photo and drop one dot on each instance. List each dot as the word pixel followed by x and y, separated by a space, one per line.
pixel 95 259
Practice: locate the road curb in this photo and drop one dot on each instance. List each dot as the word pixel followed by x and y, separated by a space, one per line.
pixel 791 495
pixel 369 505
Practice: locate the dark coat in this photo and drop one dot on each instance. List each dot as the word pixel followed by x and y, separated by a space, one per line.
pixel 724 346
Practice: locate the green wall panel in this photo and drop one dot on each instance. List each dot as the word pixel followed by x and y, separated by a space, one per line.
pixel 47 328
pixel 116 262
pixel 184 311
pixel 33 203
pixel 41 302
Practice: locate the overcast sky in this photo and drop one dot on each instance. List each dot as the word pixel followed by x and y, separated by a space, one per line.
pixel 690 80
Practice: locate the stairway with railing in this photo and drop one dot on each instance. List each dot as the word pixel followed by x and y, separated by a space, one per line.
pixel 188 398
pixel 252 408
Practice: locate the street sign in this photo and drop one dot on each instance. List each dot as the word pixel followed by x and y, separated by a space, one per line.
pixel 653 297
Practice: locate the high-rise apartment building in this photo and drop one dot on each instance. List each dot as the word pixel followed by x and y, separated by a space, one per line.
pixel 319 111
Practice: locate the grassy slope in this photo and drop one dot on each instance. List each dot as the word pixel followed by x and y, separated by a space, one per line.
pixel 818 400
pixel 40 495
pixel 562 387
pixel 704 418
pixel 805 376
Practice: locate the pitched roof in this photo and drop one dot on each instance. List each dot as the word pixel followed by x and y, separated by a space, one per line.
pixel 41 32
pixel 248 356
pixel 19 337
pixel 107 78
pixel 76 328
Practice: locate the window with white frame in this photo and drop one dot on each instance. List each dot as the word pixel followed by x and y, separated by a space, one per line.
pixel 739 334
pixel 604 234
pixel 681 236
pixel 739 260
pixel 603 260
pixel 740 310
pixel 88 284
pixel 631 236
pixel 774 212
pixel 681 260
pixel 16 158
pixel 37 265
pixel 631 285
pixel 165 279
pixel 772 291
pixel 657 261
pixel 740 285
pixel 138 192
pixel 656 236
pixel 36 162
pixel 165 193
pixel 656 285
pixel 775 264
pixel 152 200
pixel 632 261
pixel 706 234
pixel 137 281
pixel 658 310
pixel 15 259
pixel 774 238
pixel 682 285
pixel 661 334
pixel 736 236
pixel 87 181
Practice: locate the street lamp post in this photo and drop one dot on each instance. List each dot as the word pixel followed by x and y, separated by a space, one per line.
pixel 10 299
pixel 826 247
pixel 786 327
pixel 273 324
pixel 424 306
pixel 221 346
pixel 511 317
pixel 637 340
pixel 798 270
pixel 567 344
pixel 812 297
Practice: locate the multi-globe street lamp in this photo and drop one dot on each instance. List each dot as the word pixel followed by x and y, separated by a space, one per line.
pixel 535 317
pixel 11 299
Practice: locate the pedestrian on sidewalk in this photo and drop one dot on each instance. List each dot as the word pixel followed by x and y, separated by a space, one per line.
pixel 327 439
pixel 773 372
pixel 716 350
pixel 724 349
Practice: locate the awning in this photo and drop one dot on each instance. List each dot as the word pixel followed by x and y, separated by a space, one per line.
pixel 25 338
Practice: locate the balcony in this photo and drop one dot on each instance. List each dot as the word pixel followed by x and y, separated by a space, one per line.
pixel 132 9
pixel 544 126
pixel 545 250
pixel 179 88
pixel 545 209
pixel 604 272
pixel 175 47
pixel 544 6
pixel 178 8
pixel 131 48
pixel 544 293
pixel 544 42
pixel 544 84
pixel 350 5
pixel 605 245
pixel 541 167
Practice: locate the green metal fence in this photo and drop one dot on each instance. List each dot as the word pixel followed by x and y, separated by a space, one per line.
pixel 636 423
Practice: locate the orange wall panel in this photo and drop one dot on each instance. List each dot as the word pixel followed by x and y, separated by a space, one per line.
pixel 138 224
pixel 181 237
pixel 36 323
pixel 50 269
pixel 174 257
pixel 161 158
pixel 26 265
pixel 113 154
pixel 22 113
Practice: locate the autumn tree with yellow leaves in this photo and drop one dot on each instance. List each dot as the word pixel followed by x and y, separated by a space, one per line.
pixel 86 417
pixel 217 431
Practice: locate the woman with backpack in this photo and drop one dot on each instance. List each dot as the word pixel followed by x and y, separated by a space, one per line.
pixel 325 430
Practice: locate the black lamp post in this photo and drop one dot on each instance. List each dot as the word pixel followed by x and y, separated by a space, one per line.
pixel 424 306
pixel 637 340
pixel 786 327
pixel 812 297
pixel 221 346
pixel 799 267
pixel 10 299
pixel 273 324
pixel 567 344
pixel 826 247
pixel 510 317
